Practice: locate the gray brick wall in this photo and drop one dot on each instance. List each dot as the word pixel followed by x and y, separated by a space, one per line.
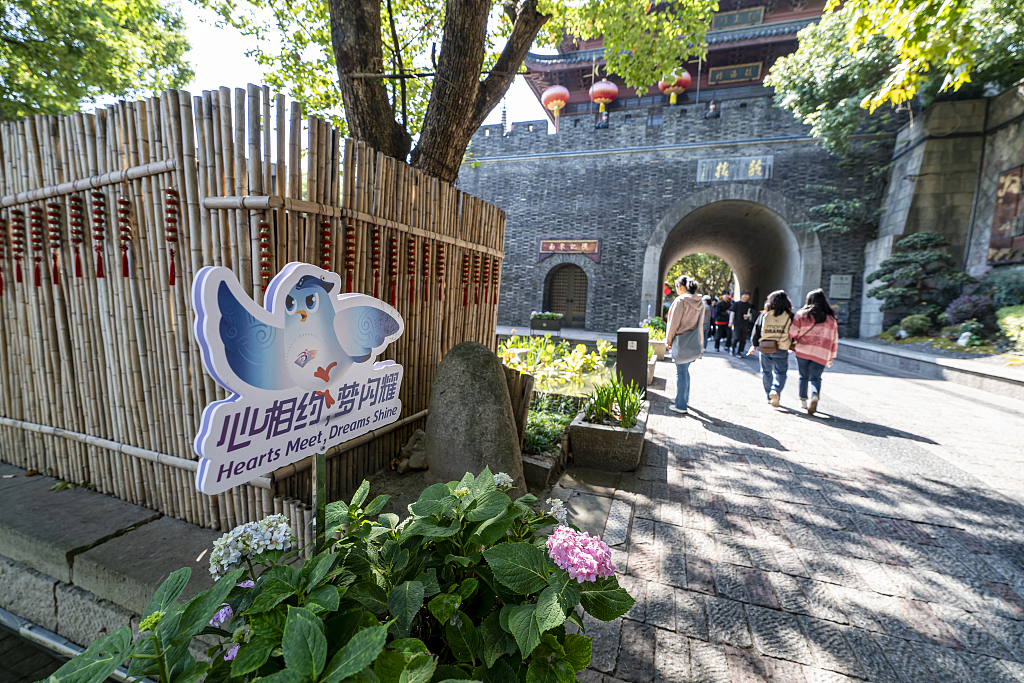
pixel 617 184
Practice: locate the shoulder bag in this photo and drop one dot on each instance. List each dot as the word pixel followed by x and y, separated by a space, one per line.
pixel 796 339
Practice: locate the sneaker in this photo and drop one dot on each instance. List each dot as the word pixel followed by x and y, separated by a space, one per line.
pixel 813 405
pixel 773 398
pixel 803 404
pixel 681 411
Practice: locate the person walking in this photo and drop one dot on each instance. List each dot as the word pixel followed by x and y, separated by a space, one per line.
pixel 771 339
pixel 815 334
pixel 707 320
pixel 683 335
pixel 739 321
pixel 722 321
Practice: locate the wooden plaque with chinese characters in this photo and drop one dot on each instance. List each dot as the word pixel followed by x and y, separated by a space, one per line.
pixel 1006 243
pixel 743 17
pixel 735 168
pixel 591 248
pixel 720 75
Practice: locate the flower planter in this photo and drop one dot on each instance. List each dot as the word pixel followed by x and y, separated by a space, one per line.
pixel 659 348
pixel 546 325
pixel 607 447
pixel 651 365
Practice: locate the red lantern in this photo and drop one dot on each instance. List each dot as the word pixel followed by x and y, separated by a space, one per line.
pixel 603 92
pixel 674 85
pixel 554 98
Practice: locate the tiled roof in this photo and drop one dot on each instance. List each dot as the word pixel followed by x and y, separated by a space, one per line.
pixel 731 35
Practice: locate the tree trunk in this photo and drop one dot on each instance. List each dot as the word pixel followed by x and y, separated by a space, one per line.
pixel 459 100
pixel 356 39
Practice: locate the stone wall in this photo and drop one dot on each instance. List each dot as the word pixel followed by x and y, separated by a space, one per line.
pixel 620 184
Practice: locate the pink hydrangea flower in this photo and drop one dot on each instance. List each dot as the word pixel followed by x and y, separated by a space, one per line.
pixel 231 653
pixel 584 557
pixel 222 616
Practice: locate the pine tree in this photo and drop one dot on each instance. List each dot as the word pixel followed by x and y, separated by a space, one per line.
pixel 915 277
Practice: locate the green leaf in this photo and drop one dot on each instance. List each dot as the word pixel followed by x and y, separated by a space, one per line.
pixel 462 638
pixel 357 653
pixel 490 504
pixel 99 659
pixel 549 611
pixel 520 567
pixel 458 559
pixel 305 647
pixel 404 601
pixel 360 494
pixel 604 599
pixel 323 599
pixel 389 666
pixel 500 672
pixel 251 656
pixel 419 670
pixel 444 606
pixel 447 672
pixel 494 642
pixel 389 520
pixel 376 505
pixel 541 671
pixel 526 501
pixel 168 592
pixel 490 531
pixel 483 483
pixel 409 646
pixel 578 651
pixel 191 673
pixel 563 672
pixel 269 625
pixel 467 588
pixel 316 570
pixel 285 676
pixel 201 608
pixel 568 590
pixel 429 581
pixel 426 527
pixel 272 593
pixel 522 621
pixel 370 596
pixel 430 500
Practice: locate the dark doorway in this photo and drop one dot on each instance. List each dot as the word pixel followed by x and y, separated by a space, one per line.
pixel 566 293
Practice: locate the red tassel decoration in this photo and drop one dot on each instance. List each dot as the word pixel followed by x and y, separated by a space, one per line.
pixel 99 226
pixel 426 270
pixel 325 245
pixel 53 225
pixel 17 241
pixel 465 280
pixel 75 223
pixel 440 272
pixel 476 279
pixel 350 255
pixel 35 229
pixel 393 266
pixel 411 262
pixel 495 265
pixel 124 226
pixel 3 254
pixel 486 276
pixel 264 237
pixel 171 228
pixel 375 260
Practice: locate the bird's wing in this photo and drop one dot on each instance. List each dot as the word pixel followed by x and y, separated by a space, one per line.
pixel 254 349
pixel 363 329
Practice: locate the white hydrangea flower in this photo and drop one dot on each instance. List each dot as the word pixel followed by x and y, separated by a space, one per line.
pixel 557 510
pixel 248 540
pixel 504 481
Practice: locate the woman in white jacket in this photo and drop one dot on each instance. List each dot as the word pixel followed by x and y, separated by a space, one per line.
pixel 685 327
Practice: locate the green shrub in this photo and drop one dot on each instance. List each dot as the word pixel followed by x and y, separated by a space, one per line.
pixel 614 401
pixel 464 588
pixel 549 415
pixel 951 331
pixel 1006 288
pixel 893 331
pixel 1011 322
pixel 916 325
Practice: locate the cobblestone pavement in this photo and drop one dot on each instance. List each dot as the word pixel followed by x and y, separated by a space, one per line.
pixel 24 662
pixel 879 540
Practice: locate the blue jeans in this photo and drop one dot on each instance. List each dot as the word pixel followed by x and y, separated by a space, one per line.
pixel 773 370
pixel 682 385
pixel 809 370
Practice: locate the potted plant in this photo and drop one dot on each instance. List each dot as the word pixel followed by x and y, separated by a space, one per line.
pixel 652 362
pixel 546 321
pixel 655 335
pixel 471 585
pixel 609 433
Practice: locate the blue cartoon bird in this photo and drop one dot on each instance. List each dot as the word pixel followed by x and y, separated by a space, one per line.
pixel 312 345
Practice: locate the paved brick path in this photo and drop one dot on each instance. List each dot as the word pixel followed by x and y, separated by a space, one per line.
pixel 881 540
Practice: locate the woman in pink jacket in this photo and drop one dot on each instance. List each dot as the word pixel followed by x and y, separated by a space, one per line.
pixel 685 326
pixel 815 336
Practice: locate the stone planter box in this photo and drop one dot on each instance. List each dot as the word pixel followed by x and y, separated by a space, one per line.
pixel 546 325
pixel 651 365
pixel 607 447
pixel 659 348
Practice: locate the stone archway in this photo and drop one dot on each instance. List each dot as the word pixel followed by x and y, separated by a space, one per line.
pixel 747 225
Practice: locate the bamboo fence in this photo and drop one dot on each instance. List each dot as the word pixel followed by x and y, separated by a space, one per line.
pixel 105 219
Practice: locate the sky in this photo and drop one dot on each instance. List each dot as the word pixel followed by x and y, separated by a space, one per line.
pixel 218 59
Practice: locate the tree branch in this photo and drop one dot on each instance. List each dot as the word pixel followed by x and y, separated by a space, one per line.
pixel 527 25
pixel 401 68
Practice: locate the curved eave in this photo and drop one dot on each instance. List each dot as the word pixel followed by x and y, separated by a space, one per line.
pixel 764 33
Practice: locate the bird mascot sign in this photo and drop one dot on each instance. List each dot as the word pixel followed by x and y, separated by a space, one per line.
pixel 301 373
